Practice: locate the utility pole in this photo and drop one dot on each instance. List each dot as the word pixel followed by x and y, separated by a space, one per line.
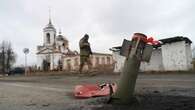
pixel 26 51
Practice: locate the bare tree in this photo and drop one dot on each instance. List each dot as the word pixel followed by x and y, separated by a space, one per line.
pixel 11 57
pixel 7 56
pixel 2 56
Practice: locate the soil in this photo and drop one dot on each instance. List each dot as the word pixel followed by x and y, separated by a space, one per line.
pixel 145 102
pixel 153 92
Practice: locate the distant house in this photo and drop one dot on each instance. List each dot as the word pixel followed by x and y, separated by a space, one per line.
pixel 98 60
pixel 174 54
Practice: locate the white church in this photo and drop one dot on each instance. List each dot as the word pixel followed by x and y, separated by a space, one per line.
pixel 50 54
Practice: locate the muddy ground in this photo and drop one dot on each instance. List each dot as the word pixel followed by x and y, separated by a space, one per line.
pixel 145 102
pixel 153 92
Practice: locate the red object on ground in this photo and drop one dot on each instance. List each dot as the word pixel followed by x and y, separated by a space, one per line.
pixel 93 90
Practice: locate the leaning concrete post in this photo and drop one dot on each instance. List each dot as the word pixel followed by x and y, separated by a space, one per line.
pixel 126 84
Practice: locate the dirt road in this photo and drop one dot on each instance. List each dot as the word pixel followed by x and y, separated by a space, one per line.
pixel 55 92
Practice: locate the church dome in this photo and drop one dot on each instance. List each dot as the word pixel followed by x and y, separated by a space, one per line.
pixel 60 37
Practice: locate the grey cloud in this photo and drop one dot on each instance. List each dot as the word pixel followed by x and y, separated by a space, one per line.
pixel 106 21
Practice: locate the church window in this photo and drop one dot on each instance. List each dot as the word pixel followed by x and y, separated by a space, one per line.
pixel 103 60
pixel 59 48
pixel 108 60
pixel 48 38
pixel 76 62
pixel 97 61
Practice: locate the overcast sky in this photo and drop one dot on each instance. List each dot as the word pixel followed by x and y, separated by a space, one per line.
pixel 107 22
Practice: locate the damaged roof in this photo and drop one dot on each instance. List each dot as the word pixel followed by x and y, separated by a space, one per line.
pixel 163 41
pixel 115 49
pixel 175 39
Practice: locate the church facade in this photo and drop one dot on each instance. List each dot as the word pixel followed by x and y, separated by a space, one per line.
pixel 54 53
pixel 55 46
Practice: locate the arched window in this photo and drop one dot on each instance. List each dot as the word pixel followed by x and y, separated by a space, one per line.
pixel 108 60
pixel 76 62
pixel 48 38
pixel 97 61
pixel 103 61
pixel 59 48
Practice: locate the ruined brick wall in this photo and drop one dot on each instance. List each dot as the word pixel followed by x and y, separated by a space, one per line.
pixel 99 62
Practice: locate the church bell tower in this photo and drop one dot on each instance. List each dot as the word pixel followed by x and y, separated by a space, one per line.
pixel 49 33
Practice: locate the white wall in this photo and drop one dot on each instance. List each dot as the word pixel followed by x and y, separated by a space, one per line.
pixel 57 57
pixel 155 63
pixel 118 61
pixel 170 57
pixel 53 58
pixel 189 56
pixel 40 58
pixel 71 60
pixel 69 63
pixel 174 56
